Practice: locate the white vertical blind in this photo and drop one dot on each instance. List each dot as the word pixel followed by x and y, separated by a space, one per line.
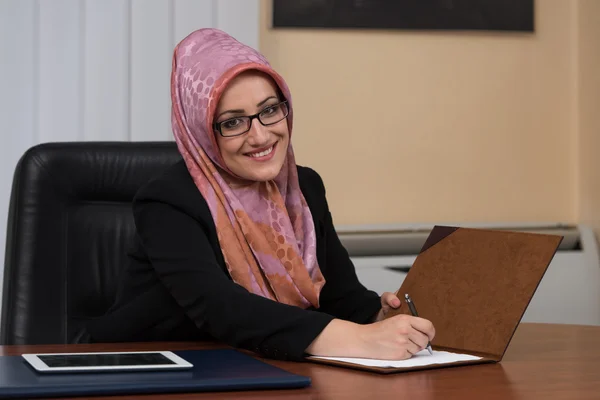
pixel 151 45
pixel 59 103
pixel 106 59
pixel 234 22
pixel 74 70
pixel 190 13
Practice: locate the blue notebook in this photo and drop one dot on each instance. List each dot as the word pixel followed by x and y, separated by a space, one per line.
pixel 214 370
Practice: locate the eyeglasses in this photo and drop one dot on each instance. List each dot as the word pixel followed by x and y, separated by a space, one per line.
pixel 240 125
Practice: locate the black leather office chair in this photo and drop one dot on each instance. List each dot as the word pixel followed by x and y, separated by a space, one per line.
pixel 70 226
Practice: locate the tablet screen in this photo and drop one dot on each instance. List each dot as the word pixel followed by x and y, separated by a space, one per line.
pixel 104 360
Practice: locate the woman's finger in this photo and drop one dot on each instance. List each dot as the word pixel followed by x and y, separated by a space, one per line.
pixel 413 348
pixel 418 338
pixel 390 300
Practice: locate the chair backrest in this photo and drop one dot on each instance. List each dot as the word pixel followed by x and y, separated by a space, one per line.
pixel 70 226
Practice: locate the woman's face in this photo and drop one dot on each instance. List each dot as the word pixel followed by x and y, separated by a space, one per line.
pixel 258 154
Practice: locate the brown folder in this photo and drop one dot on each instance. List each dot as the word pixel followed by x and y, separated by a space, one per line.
pixel 474 285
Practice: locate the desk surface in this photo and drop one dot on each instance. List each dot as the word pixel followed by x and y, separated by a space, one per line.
pixel 543 361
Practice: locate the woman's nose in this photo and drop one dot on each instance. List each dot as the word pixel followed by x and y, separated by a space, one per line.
pixel 258 133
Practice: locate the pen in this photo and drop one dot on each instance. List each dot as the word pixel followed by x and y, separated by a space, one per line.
pixel 413 311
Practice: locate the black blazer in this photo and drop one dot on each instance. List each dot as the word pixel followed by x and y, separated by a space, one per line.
pixel 177 286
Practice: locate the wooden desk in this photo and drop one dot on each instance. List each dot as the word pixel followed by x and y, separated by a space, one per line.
pixel 543 361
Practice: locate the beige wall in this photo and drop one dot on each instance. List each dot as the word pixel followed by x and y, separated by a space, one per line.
pixel 588 121
pixel 437 127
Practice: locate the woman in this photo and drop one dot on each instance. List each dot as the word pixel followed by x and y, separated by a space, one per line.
pixel 236 242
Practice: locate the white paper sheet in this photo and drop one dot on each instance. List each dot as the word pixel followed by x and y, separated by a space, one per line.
pixel 421 358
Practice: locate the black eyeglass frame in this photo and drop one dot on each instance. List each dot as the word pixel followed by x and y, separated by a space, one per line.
pixel 217 125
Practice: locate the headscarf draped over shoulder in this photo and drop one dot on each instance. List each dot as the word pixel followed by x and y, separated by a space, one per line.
pixel 265 229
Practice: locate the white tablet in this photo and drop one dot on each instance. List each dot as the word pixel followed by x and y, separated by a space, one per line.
pixel 107 361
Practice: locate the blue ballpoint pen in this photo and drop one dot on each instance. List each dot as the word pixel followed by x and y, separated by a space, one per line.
pixel 413 311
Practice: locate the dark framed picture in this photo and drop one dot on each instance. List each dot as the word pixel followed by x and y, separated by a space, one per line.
pixel 492 15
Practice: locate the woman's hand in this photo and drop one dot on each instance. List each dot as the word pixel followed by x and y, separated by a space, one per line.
pixel 395 338
pixel 388 301
pixel 399 337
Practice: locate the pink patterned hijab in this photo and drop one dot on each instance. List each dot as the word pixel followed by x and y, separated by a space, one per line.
pixel 265 229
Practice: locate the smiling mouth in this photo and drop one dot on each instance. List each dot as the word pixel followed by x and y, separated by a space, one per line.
pixel 263 153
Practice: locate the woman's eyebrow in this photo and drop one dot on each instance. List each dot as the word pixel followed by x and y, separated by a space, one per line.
pixel 230 111
pixel 265 100
pixel 242 111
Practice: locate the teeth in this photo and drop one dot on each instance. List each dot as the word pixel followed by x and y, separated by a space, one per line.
pixel 262 153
